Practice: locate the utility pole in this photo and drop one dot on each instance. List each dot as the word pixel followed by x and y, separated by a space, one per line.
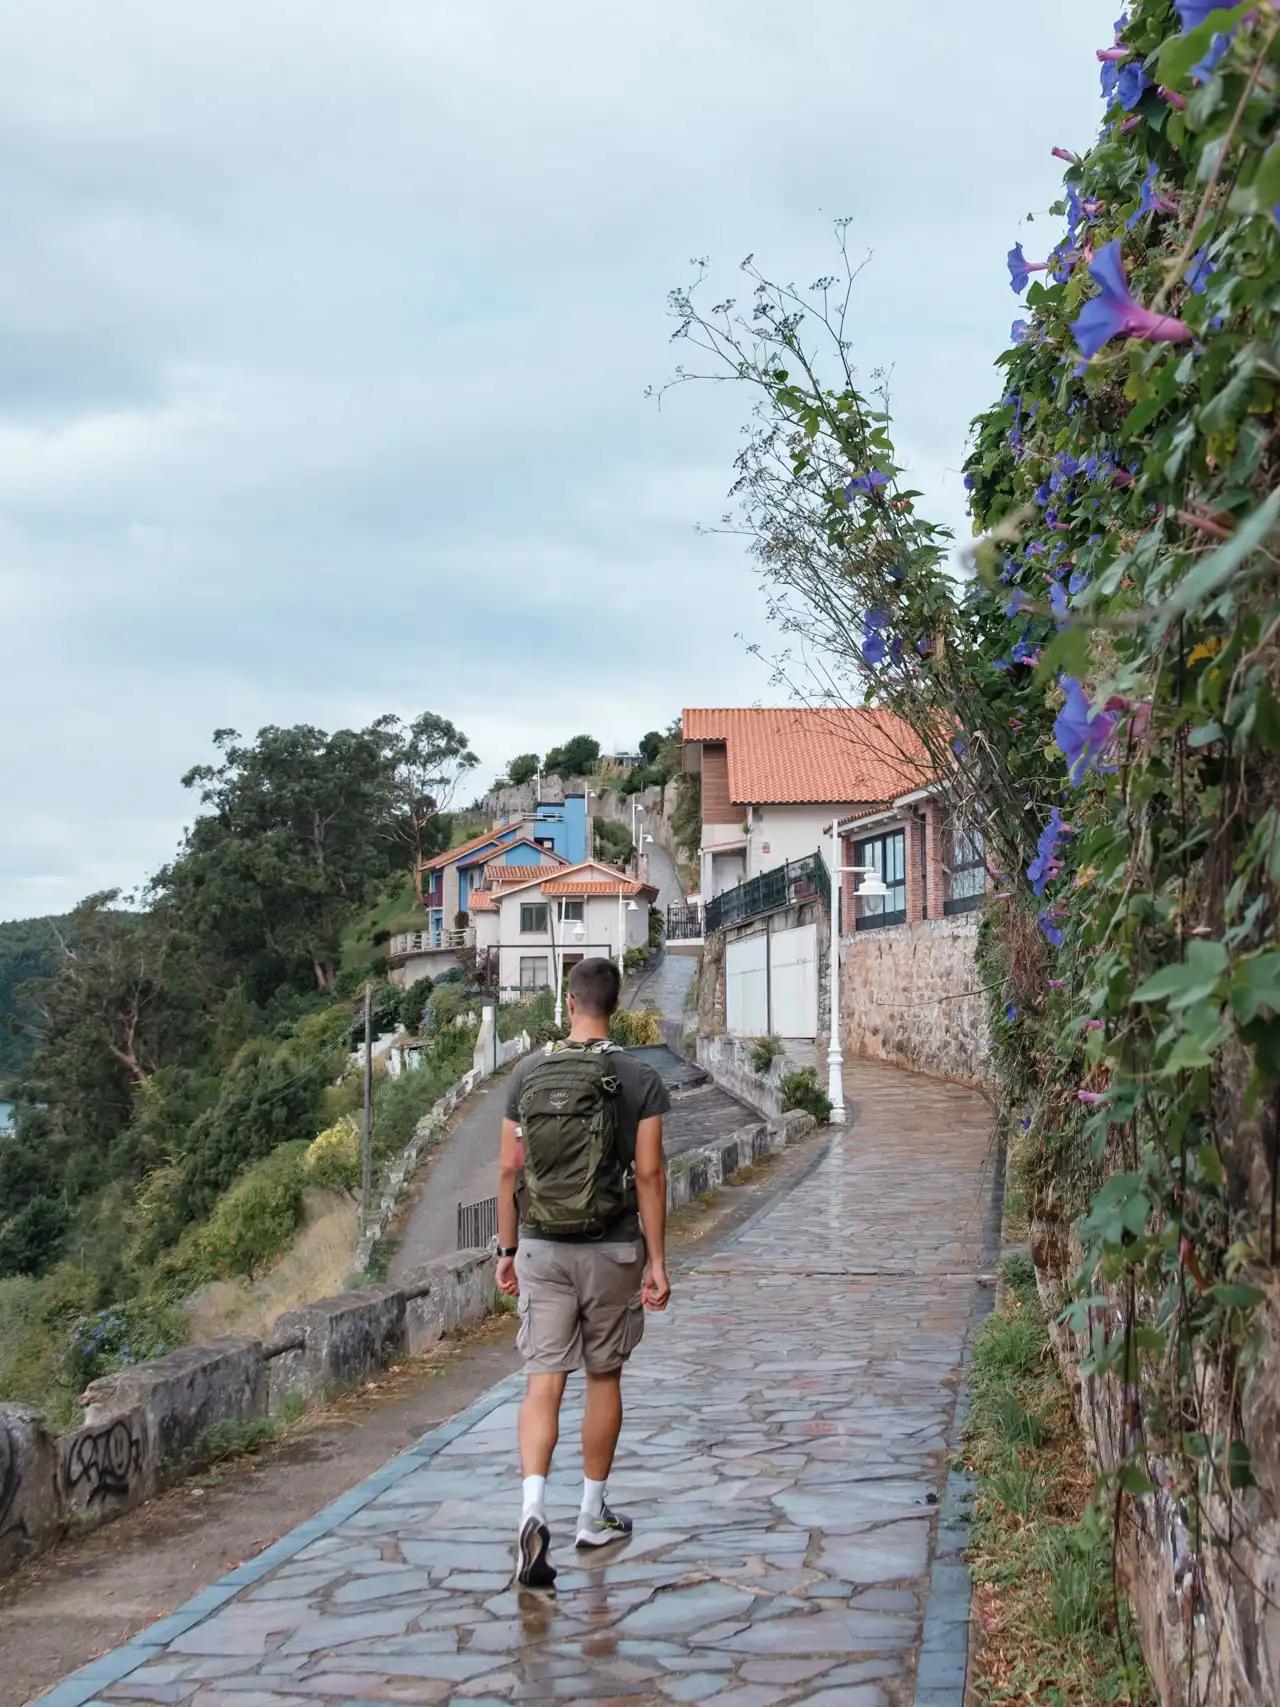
pixel 366 1137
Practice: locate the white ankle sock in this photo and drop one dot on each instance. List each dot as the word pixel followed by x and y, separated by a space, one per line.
pixel 535 1497
pixel 592 1497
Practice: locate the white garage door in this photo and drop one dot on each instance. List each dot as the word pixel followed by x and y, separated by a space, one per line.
pixel 746 987
pixel 771 984
pixel 793 982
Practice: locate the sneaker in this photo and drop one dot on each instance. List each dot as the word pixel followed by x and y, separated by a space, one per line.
pixel 533 1568
pixel 600 1531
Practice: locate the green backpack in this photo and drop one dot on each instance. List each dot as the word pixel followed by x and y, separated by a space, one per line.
pixel 576 1179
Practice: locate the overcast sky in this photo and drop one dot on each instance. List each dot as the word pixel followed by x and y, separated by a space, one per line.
pixel 326 329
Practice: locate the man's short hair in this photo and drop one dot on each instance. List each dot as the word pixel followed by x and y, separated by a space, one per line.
pixel 595 986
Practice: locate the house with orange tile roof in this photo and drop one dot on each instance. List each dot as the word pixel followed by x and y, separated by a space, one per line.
pixel 555 917
pixel 774 779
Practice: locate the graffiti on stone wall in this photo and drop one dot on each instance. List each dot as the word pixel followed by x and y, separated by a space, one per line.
pixel 104 1463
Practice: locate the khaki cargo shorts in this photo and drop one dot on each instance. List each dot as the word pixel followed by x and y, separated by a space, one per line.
pixel 579 1305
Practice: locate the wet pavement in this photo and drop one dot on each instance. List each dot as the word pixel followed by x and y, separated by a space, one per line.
pixel 785 1446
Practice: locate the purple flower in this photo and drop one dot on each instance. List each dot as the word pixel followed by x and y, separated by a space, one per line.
pixel 1131 85
pixel 1108 78
pixel 1209 64
pixel 1010 1012
pixel 959 745
pixel 1090 1096
pixel 969 483
pixel 1020 269
pixel 1081 737
pixel 1058 601
pixel 1018 602
pixel 1052 933
pixel 1150 200
pixel 1199 272
pixel 1018 335
pixel 1192 13
pixel 1077 583
pixel 1056 983
pixel 873 644
pixel 1046 865
pixel 1114 313
pixel 869 482
pixel 1075 213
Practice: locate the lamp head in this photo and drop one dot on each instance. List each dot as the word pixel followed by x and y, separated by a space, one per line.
pixel 872 887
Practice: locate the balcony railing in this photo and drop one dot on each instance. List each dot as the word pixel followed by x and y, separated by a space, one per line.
pixel 684 922
pixel 784 886
pixel 429 942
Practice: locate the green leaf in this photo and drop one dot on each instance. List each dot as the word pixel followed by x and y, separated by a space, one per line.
pixel 1236 1297
pixel 1255 986
pixel 1189 980
pixel 1263 193
pixel 1205 734
pixel 1136 1482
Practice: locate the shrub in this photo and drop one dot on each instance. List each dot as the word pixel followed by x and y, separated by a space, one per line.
pixel 255 1219
pixel 764 1052
pixel 332 1159
pixel 454 975
pixel 116 1338
pixel 635 1029
pixel 413 1003
pixel 801 1090
pixel 634 959
pixel 657 927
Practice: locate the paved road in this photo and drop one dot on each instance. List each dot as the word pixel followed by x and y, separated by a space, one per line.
pixel 784 1450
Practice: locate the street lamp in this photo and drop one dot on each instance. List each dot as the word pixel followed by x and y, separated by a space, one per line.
pixel 643 858
pixel 588 797
pixel 622 929
pixel 557 953
pixel 637 811
pixel 873 887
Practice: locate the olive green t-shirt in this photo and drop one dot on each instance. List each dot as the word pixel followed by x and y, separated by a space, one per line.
pixel 641 1094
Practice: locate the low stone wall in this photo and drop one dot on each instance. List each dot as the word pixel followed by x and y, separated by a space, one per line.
pixel 145 1428
pixel 905 996
pixel 728 1060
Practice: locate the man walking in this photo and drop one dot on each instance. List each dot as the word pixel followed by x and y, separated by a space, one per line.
pixel 588 1118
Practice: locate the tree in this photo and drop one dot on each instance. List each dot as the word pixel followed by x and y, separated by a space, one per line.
pixel 651 746
pixel 428 759
pixel 578 757
pixel 299 828
pixel 523 768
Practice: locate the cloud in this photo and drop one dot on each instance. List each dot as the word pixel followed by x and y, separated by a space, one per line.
pixel 324 337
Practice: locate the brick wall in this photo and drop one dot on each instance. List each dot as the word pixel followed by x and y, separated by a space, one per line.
pixel 903 998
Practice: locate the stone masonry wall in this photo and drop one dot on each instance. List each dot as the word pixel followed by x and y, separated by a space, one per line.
pixel 903 998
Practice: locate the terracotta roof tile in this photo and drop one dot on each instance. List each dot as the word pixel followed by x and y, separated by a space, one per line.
pixel 464 848
pixel 590 886
pixel 502 873
pixel 789 755
pixel 482 901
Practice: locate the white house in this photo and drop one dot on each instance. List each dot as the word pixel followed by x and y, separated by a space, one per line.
pixel 775 778
pixel 526 928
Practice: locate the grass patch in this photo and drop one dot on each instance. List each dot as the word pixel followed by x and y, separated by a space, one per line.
pixel 1049 1628
pixel 232 1437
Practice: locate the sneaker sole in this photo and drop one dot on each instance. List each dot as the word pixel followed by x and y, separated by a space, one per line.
pixel 535 1569
pixel 606 1540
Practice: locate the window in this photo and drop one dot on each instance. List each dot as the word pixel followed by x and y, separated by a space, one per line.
pixel 967 872
pixel 533 917
pixel 533 972
pixel 887 855
pixel 572 911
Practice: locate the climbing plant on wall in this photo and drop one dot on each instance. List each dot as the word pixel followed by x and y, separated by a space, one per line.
pixel 1103 688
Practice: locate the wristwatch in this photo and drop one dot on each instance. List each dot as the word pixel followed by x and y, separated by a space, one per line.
pixel 507 1250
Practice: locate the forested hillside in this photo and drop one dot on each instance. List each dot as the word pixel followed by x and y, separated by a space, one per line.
pixel 28 949
pixel 185 1052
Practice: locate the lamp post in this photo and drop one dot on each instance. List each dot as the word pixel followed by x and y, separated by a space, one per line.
pixel 637 811
pixel 557 953
pixel 643 859
pixel 622 928
pixel 872 885
pixel 589 795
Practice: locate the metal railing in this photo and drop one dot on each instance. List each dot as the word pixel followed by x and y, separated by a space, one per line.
pixel 477 1224
pixel 784 886
pixel 684 921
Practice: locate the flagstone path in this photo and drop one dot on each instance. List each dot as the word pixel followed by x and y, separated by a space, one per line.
pixel 784 1452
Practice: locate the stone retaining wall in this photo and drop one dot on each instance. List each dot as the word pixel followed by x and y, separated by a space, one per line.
pixel 145 1428
pixel 905 997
